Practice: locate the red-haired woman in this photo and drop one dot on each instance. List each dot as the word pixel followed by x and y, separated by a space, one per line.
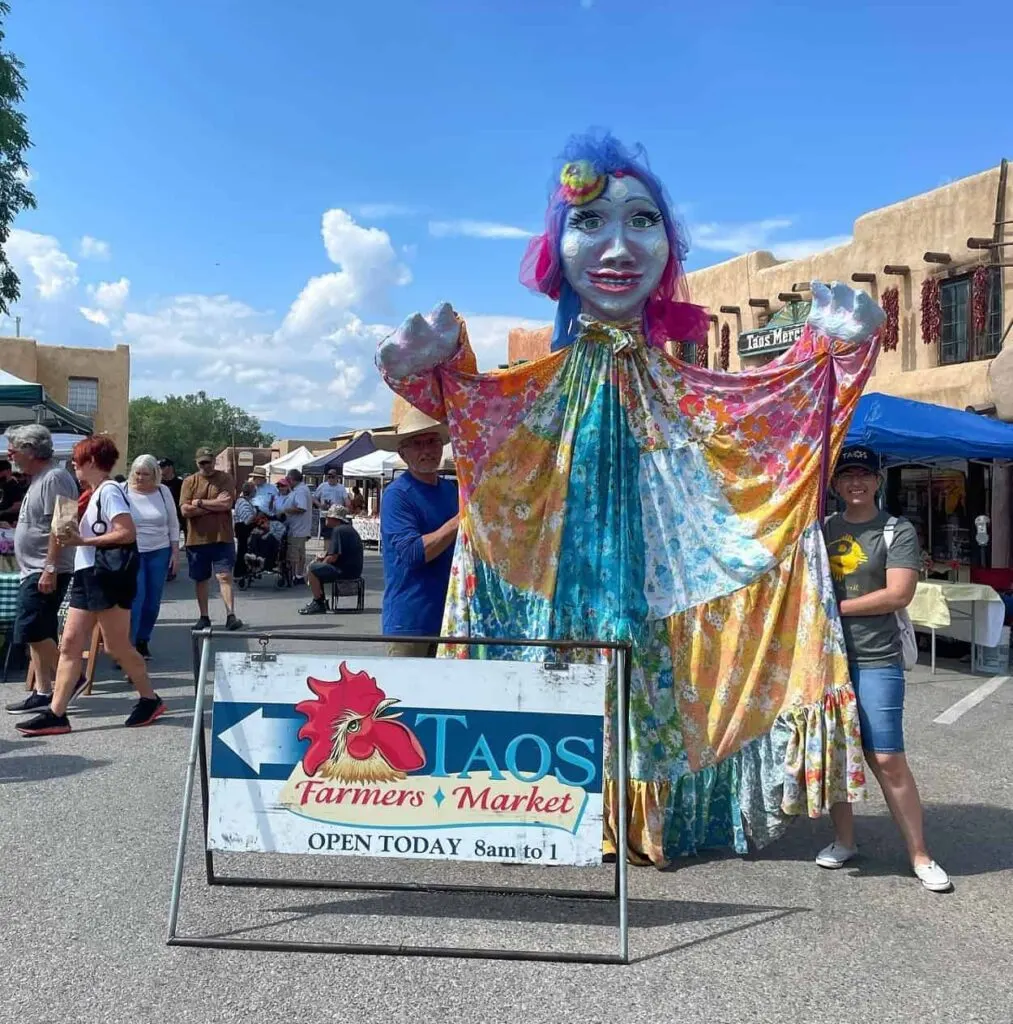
pixel 101 593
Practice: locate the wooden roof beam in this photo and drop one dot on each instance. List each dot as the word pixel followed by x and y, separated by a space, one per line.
pixel 897 269
pixel 789 296
pixel 737 310
pixel 938 257
pixel 861 277
pixel 760 303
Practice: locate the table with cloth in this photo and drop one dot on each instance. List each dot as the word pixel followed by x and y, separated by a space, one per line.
pixel 956 610
pixel 368 528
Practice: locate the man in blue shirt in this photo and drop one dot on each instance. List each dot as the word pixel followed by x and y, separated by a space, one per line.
pixel 418 528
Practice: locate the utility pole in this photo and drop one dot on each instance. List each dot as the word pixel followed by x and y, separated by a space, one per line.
pixel 17 327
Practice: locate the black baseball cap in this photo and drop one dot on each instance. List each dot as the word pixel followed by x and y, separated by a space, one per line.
pixel 165 463
pixel 863 458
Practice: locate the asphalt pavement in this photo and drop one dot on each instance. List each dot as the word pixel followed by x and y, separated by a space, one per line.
pixel 88 828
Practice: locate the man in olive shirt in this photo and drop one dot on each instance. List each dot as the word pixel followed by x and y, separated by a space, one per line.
pixel 205 502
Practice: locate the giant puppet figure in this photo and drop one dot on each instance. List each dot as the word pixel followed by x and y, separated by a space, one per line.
pixel 612 492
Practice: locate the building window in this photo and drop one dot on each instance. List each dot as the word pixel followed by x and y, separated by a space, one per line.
pixel 82 395
pixel 956 344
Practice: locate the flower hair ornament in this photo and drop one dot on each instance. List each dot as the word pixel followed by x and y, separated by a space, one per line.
pixel 580 183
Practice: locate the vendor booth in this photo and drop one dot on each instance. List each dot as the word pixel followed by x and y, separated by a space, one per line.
pixel 361 444
pixel 23 402
pixel 944 467
pixel 297 459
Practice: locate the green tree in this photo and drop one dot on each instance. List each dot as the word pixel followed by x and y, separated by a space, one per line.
pixel 14 142
pixel 176 426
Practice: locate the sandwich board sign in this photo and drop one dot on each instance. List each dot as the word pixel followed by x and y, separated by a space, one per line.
pixel 445 759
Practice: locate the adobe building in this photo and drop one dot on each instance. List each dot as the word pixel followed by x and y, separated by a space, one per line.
pixel 92 381
pixel 758 303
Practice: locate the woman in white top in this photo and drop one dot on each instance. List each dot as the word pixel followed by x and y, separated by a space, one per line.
pixel 102 591
pixel 154 513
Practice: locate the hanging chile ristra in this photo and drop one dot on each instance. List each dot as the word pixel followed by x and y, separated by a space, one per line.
pixel 980 284
pixel 932 315
pixel 891 329
pixel 703 352
pixel 726 346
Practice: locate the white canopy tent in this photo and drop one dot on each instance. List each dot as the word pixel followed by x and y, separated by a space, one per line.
pixel 294 460
pixel 378 465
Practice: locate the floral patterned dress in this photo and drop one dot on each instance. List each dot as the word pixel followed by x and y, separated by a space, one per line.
pixel 611 492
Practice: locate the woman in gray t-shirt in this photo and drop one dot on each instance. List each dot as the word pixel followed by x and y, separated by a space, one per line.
pixel 875 572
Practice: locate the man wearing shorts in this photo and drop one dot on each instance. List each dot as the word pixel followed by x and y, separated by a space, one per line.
pixel 343 560
pixel 874 561
pixel 46 567
pixel 205 503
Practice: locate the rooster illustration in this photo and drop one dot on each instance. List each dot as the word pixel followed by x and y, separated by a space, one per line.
pixel 351 737
pixel 846 555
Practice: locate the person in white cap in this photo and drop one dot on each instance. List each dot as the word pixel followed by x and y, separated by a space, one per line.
pixel 418 530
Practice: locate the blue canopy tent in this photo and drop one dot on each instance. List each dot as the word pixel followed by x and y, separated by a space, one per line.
pixel 361 444
pixel 902 430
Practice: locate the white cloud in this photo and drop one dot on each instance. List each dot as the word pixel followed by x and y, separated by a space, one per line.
pixel 96 316
pixel 54 271
pixel 26 177
pixel 382 211
pixel 475 229
pixel 94 249
pixel 759 234
pixel 312 364
pixel 110 294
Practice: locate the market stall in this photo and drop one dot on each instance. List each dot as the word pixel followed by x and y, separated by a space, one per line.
pixel 22 401
pixel 297 459
pixel 361 444
pixel 948 473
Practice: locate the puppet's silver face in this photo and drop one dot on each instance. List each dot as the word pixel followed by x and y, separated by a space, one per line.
pixel 614 251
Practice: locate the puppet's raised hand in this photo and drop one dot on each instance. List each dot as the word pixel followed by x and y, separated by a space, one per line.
pixel 421 343
pixel 841 312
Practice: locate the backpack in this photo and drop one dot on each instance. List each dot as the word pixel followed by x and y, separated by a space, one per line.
pixel 908 640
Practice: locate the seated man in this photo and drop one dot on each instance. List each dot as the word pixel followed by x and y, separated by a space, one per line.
pixel 343 560
pixel 264 543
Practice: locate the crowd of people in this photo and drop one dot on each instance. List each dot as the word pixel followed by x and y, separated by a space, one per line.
pixel 115 556
pixel 106 546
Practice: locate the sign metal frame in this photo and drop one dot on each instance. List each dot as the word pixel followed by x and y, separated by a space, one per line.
pixel 197 763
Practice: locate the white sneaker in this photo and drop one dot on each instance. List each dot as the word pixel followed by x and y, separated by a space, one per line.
pixel 835 855
pixel 933 877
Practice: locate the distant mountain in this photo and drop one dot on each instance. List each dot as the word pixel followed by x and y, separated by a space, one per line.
pixel 284 430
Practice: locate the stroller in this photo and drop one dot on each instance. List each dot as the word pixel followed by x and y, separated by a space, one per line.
pixel 267 553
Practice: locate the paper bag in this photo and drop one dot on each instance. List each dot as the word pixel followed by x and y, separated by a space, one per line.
pixel 65 517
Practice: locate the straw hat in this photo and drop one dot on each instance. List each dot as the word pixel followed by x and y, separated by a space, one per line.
pixel 415 422
pixel 259 472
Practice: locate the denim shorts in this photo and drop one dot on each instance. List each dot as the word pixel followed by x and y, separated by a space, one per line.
pixel 204 560
pixel 880 694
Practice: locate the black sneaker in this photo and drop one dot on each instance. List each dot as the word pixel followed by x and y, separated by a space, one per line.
pixel 232 623
pixel 46 724
pixel 34 702
pixel 143 650
pixel 146 710
pixel 315 608
pixel 202 623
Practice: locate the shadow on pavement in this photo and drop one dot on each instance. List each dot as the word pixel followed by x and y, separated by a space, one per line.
pixel 38 767
pixel 967 839
pixel 644 913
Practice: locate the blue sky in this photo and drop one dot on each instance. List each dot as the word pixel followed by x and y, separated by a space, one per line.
pixel 269 187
